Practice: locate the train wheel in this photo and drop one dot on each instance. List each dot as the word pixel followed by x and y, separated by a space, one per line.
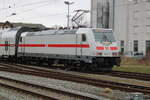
pixel 95 67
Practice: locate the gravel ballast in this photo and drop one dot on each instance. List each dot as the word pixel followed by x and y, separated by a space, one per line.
pixel 10 94
pixel 64 84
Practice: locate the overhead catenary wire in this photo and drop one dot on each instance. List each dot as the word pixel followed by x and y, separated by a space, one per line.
pixel 36 8
pixel 41 17
pixel 24 5
pixel 15 13
pixel 22 13
pixel 30 10
pixel 26 11
pixel 35 3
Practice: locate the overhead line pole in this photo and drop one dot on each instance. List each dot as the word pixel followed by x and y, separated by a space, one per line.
pixel 68 16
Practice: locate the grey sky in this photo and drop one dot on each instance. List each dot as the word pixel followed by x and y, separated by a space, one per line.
pixel 47 12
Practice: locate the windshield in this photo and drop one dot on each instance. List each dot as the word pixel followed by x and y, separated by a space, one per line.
pixel 104 36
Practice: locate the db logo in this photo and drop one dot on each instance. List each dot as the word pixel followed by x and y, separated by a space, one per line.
pixel 107 48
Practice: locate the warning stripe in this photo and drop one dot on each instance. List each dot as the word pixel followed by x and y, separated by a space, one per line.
pixel 51 45
pixel 113 48
pixel 32 45
pixel 69 45
pixel 2 45
pixel 7 45
pixel 99 48
pixel 106 48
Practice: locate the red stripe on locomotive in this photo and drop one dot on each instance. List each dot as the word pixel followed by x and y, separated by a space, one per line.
pixel 51 45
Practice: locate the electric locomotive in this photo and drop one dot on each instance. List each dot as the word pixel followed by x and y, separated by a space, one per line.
pixel 84 48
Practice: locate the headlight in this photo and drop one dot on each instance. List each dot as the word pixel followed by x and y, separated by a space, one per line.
pixel 98 53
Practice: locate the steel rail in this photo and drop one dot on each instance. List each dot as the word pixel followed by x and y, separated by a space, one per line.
pixel 132 75
pixel 25 90
pixel 81 96
pixel 79 79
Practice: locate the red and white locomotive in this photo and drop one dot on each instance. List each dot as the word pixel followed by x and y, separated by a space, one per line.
pixel 86 48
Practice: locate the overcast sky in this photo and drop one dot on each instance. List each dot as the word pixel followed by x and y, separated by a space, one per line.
pixel 47 12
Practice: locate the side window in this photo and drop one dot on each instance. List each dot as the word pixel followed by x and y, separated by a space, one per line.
pixel 83 37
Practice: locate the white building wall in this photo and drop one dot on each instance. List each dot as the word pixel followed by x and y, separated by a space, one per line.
pixel 120 20
pixel 131 22
pixel 94 13
pixel 97 13
pixel 138 22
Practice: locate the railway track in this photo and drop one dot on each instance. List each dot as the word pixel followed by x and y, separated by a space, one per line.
pixel 132 75
pixel 23 69
pixel 8 83
pixel 44 92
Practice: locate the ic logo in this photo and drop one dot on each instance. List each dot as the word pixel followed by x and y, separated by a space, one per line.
pixel 107 48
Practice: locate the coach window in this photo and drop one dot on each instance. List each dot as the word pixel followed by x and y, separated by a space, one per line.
pixel 83 37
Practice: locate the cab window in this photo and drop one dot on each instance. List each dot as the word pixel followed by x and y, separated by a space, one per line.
pixel 83 37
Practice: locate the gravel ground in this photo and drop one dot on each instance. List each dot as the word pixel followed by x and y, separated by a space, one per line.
pixel 58 83
pixel 10 94
pixel 65 84
pixel 3 98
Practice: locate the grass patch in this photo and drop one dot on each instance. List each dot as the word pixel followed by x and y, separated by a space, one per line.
pixel 135 61
pixel 133 68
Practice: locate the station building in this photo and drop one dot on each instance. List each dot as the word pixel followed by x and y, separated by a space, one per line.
pixel 8 24
pixel 130 20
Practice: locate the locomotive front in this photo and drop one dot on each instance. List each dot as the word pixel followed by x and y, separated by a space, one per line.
pixel 105 49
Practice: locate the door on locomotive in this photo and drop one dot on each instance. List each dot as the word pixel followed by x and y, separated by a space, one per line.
pixel 21 43
pixel 78 42
pixel 82 44
pixel 6 51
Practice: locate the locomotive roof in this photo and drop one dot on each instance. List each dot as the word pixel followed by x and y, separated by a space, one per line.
pixel 12 32
pixel 49 32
